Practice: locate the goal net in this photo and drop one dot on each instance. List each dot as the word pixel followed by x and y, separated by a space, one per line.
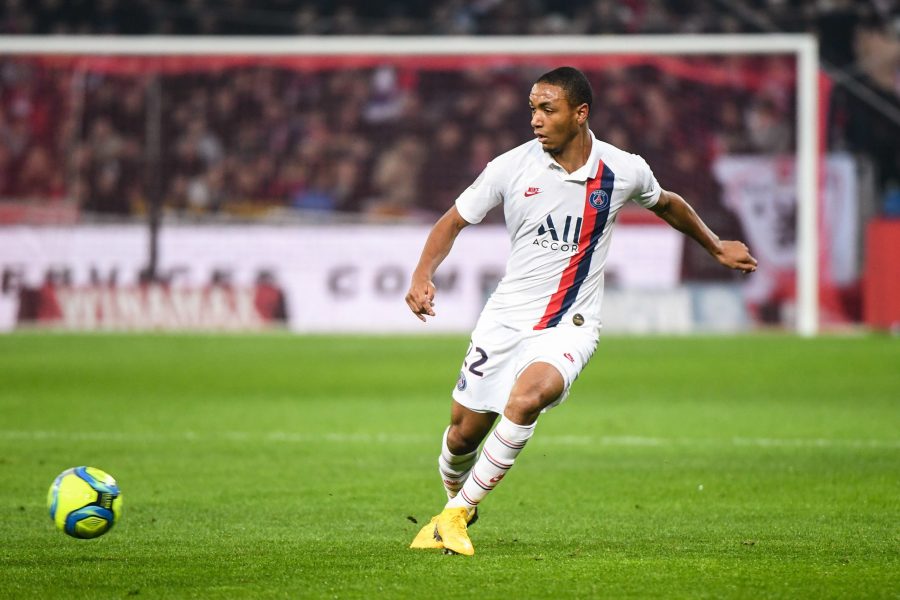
pixel 313 132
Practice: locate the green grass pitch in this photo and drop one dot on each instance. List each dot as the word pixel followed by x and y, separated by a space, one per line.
pixel 279 466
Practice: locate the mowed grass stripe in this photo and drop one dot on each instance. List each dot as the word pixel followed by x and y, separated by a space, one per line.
pixel 401 439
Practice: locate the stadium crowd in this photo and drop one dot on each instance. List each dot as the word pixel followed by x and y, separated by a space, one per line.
pixel 396 142
pixel 385 141
pixel 451 17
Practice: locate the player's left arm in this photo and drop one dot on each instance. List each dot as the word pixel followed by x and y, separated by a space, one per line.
pixel 674 210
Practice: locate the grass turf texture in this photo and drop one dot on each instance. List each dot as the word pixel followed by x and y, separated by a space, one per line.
pixel 280 466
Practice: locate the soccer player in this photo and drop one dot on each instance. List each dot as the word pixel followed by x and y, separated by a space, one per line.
pixel 561 193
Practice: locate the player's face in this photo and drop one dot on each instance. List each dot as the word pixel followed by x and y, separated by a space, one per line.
pixel 554 120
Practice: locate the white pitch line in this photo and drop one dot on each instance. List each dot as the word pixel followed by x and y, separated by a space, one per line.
pixel 394 438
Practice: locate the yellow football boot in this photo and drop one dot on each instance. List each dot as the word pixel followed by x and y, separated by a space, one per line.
pixel 427 536
pixel 450 529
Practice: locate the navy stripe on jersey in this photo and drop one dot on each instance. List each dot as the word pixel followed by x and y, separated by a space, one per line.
pixel 607 181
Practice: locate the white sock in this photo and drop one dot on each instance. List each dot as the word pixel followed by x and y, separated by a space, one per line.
pixel 497 456
pixel 454 468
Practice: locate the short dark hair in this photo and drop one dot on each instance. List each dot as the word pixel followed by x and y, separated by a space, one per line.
pixel 573 83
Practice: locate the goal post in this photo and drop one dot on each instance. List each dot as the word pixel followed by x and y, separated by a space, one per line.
pixel 493 51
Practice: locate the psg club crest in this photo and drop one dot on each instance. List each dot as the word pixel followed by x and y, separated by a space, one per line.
pixel 599 199
pixel 461 382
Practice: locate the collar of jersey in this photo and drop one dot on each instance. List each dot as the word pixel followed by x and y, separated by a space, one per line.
pixel 588 170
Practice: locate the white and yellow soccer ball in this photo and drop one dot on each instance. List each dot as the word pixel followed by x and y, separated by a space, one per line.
pixel 84 502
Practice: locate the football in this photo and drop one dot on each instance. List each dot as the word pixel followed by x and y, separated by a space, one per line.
pixel 84 502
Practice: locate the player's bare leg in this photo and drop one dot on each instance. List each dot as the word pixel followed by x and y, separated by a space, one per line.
pixel 461 440
pixel 459 449
pixel 467 428
pixel 538 386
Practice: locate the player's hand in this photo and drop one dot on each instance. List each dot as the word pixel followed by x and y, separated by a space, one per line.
pixel 736 255
pixel 420 298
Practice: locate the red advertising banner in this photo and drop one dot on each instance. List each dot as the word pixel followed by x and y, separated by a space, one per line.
pixel 881 289
pixel 152 307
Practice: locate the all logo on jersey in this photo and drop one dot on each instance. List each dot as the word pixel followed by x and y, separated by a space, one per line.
pixel 599 199
pixel 532 191
pixel 564 239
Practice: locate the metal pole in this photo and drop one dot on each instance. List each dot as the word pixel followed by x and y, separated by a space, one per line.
pixel 808 189
pixel 152 174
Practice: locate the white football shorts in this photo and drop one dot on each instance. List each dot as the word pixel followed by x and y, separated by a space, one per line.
pixel 498 354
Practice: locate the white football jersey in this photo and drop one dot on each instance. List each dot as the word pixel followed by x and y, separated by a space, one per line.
pixel 560 225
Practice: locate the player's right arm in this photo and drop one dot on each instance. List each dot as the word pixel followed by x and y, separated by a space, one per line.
pixel 420 297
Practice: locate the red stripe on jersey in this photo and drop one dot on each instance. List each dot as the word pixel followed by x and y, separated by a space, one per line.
pixel 568 275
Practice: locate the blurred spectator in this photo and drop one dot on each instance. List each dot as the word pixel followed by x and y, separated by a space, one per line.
pixel 607 16
pixel 318 195
pixel 770 131
pixel 385 141
pixel 452 17
pixel 396 178
pixel 731 136
pixel 38 178
pixel 443 164
pixel 873 127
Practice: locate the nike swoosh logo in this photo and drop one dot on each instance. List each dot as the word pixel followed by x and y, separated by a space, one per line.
pixel 530 193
